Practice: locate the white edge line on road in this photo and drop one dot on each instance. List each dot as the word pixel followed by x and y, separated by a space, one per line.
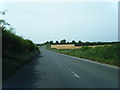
pixel 89 61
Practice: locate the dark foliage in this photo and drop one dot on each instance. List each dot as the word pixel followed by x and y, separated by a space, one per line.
pixel 16 52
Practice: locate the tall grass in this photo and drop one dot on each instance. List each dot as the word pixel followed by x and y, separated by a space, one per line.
pixel 106 54
pixel 16 52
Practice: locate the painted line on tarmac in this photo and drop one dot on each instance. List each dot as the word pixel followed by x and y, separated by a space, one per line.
pixel 73 72
pixel 76 75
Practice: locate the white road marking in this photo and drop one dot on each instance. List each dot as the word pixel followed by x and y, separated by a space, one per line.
pixel 76 75
pixel 69 69
pixel 72 72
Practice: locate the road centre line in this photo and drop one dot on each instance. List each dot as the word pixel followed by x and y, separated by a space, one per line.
pixel 76 75
pixel 72 72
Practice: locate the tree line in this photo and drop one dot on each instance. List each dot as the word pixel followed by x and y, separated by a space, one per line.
pixel 79 43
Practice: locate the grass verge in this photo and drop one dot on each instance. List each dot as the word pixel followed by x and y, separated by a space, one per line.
pixel 106 54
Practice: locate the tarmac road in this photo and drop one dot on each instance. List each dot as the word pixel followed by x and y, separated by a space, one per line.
pixel 54 70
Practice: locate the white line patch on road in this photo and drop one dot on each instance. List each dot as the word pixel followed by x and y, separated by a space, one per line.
pixel 76 75
pixel 72 72
pixel 69 69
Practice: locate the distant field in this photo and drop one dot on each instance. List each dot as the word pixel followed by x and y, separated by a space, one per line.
pixel 72 46
pixel 108 54
pixel 65 46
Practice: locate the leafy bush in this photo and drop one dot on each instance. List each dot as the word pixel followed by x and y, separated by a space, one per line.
pixel 16 52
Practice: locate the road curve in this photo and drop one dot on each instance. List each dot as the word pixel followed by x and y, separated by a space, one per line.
pixel 53 70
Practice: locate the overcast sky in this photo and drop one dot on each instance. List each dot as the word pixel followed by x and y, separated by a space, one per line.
pixel 85 21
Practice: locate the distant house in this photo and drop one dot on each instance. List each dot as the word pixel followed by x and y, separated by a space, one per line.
pixel 63 46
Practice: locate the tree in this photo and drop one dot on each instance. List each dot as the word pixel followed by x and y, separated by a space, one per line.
pixel 73 42
pixel 51 42
pixel 56 42
pixel 3 12
pixel 79 41
pixel 63 41
pixel 67 42
pixel 47 42
pixel 3 23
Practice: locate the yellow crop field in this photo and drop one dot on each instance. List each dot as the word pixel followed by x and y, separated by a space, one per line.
pixel 72 46
pixel 65 46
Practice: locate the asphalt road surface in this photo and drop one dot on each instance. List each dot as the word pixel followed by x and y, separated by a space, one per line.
pixel 53 70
